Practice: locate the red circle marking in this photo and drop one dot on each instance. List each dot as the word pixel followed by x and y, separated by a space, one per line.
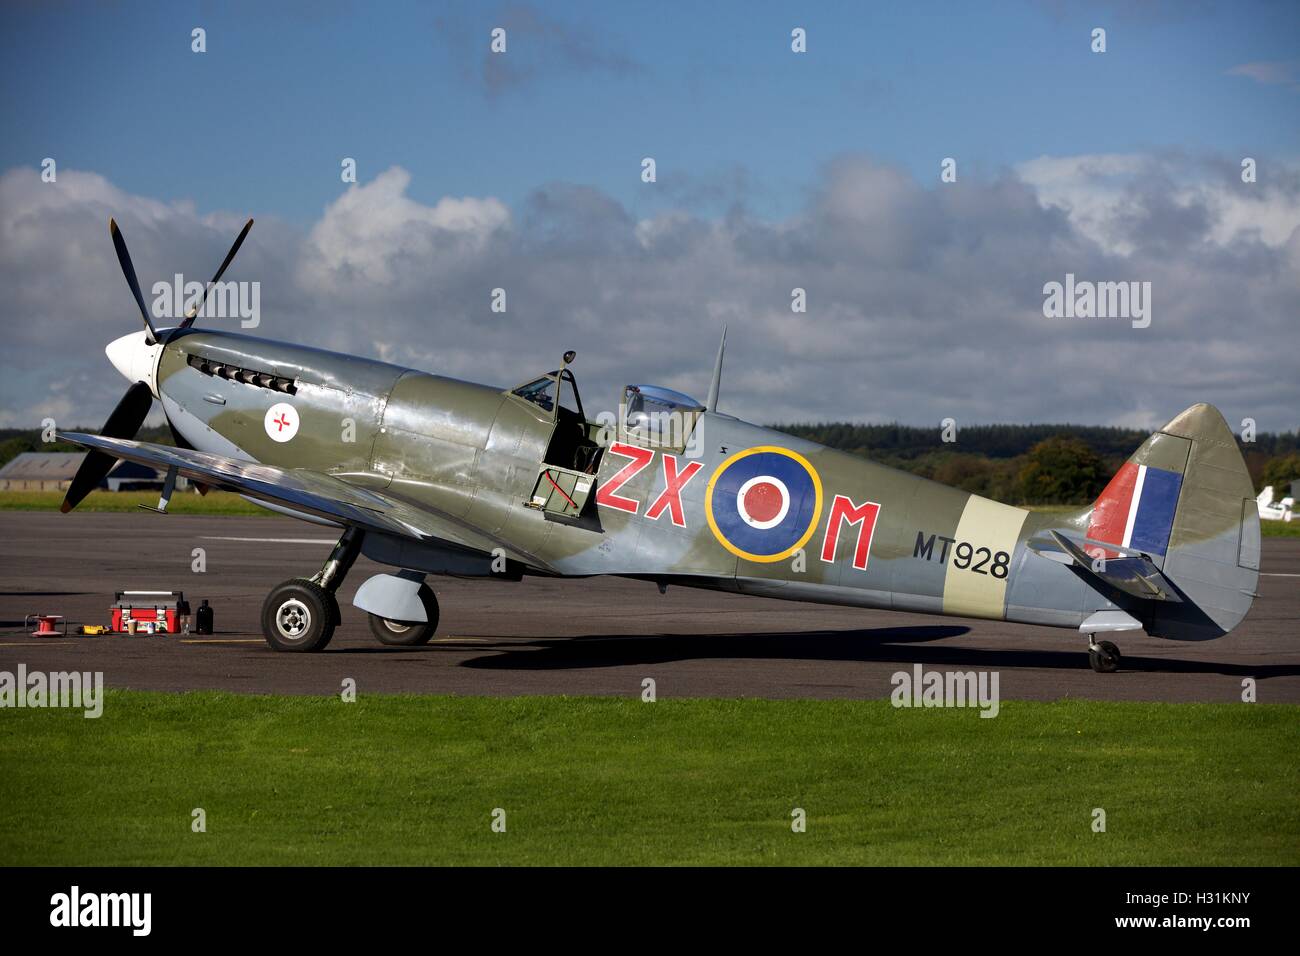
pixel 763 501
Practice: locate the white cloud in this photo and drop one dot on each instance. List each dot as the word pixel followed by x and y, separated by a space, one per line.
pixel 923 302
pixel 1098 193
pixel 1270 72
pixel 371 234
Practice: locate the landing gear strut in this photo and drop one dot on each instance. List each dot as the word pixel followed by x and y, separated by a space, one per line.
pixel 1103 655
pixel 301 613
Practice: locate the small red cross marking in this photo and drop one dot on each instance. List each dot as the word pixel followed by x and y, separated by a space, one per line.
pixel 281 421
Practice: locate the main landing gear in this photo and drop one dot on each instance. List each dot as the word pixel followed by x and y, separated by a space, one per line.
pixel 301 613
pixel 1102 655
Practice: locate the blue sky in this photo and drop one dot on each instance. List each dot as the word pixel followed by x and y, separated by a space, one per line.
pixel 776 171
pixel 261 120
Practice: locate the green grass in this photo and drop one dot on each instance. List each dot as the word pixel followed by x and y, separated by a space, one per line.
pixel 1280 529
pixel 414 780
pixel 185 503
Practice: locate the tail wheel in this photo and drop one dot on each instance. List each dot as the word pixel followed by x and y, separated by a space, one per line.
pixel 1104 658
pixel 299 615
pixel 408 633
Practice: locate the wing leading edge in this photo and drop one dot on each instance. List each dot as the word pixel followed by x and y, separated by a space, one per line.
pixel 300 489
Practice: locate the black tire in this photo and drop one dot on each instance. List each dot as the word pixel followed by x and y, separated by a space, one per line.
pixel 408 633
pixel 299 615
pixel 1104 660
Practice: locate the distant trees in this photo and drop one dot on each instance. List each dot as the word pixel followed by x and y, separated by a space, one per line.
pixel 1029 464
pixel 1062 470
pixel 1280 472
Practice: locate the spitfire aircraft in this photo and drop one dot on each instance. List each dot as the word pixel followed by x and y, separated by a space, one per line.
pixel 429 475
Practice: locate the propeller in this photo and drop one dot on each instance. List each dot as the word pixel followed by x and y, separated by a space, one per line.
pixel 128 270
pixel 125 421
pixel 196 307
pixel 134 406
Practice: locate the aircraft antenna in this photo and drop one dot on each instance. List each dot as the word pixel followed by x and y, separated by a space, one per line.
pixel 712 403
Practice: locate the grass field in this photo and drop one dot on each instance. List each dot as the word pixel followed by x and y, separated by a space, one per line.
pixel 1280 529
pixel 414 780
pixel 185 503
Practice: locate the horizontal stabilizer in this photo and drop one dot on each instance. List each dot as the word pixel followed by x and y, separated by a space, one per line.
pixel 1134 574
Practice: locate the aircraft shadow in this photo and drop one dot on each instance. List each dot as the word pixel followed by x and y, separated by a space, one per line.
pixel 902 645
pixel 43 593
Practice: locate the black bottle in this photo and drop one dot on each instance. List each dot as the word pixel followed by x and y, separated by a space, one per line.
pixel 203 619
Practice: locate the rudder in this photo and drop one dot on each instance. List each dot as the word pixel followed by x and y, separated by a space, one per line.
pixel 1185 499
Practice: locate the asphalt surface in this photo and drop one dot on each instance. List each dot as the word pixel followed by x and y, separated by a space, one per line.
pixel 596 636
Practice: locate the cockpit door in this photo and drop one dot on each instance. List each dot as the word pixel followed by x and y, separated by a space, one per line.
pixel 566 473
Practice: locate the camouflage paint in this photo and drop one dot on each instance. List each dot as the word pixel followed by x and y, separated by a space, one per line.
pixel 468 455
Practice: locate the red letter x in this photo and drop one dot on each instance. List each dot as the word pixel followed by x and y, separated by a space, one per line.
pixel 671 496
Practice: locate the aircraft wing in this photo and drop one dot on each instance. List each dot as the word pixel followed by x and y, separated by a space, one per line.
pixel 310 492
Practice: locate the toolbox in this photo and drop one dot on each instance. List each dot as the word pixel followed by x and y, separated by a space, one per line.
pixel 160 609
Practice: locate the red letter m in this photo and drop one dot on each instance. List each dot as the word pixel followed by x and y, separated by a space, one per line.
pixel 863 516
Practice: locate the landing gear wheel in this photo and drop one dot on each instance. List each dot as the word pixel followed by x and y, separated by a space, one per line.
pixel 299 615
pixel 1104 658
pixel 408 633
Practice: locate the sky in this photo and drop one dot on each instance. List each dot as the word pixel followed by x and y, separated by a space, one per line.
pixel 775 170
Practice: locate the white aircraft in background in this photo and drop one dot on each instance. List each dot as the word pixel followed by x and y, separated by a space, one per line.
pixel 1269 510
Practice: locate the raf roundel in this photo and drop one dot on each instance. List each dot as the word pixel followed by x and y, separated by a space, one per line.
pixel 281 421
pixel 763 503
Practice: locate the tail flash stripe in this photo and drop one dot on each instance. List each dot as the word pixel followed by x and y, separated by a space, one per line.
pixel 1134 505
pixel 1155 513
pixel 1110 515
pixel 1137 508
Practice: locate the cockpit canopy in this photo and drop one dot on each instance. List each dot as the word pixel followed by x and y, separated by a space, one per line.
pixel 541 391
pixel 659 417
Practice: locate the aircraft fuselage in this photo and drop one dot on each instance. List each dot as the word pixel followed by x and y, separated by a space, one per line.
pixel 852 531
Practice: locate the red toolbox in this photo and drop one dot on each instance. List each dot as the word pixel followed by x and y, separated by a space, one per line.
pixel 162 609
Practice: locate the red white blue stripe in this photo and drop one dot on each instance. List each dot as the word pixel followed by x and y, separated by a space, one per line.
pixel 1137 509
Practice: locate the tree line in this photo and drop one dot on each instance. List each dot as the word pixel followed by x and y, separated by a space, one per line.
pixel 1030 464
pixel 1016 464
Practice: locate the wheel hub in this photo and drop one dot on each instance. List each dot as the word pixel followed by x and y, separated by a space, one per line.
pixel 293 618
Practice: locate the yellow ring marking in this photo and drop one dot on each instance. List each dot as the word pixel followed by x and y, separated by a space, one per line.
pixel 812 524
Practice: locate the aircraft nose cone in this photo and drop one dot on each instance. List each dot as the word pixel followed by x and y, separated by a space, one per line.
pixel 134 357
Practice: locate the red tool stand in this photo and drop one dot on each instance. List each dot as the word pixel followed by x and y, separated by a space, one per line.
pixel 46 624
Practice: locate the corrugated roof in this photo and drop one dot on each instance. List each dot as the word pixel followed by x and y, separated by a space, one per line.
pixel 43 465
pixel 62 465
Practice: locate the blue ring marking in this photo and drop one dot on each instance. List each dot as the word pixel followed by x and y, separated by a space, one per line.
pixel 780 537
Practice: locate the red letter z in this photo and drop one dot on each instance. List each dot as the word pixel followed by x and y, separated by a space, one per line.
pixel 605 492
pixel 671 496
pixel 865 516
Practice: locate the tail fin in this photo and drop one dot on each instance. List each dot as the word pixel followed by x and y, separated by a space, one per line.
pixel 1186 500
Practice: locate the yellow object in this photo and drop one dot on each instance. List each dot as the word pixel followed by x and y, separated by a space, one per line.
pixel 94 629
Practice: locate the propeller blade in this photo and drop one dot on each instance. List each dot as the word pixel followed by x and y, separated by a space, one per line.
pixel 128 270
pixel 196 307
pixel 125 421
